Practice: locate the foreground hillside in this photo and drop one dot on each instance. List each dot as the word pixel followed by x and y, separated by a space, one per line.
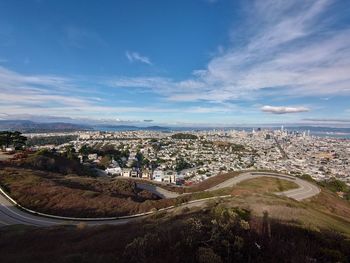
pixel 73 195
pixel 217 232
pixel 253 225
pixel 84 196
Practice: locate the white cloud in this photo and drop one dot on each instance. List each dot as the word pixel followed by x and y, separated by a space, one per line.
pixel 290 51
pixel 134 56
pixel 23 94
pixel 283 109
pixel 19 89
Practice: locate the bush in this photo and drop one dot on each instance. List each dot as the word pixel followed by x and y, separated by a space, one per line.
pixel 141 249
pixel 207 255
pixel 335 185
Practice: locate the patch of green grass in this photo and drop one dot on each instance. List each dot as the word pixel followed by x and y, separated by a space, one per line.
pixel 267 184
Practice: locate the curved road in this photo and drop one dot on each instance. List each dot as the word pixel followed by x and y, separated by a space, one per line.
pixel 10 214
pixel 305 190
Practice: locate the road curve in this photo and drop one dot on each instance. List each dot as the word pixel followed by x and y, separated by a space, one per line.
pixel 11 215
pixel 305 190
pixel 157 190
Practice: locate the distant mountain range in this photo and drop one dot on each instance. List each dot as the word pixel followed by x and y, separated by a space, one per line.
pixel 30 126
pixel 128 128
pixel 26 126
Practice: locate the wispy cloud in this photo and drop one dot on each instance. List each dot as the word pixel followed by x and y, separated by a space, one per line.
pixel 290 52
pixel 52 95
pixel 283 109
pixel 19 89
pixel 135 56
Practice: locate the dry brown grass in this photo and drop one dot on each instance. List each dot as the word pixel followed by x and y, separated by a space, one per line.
pixel 56 194
pixel 176 233
pixel 331 203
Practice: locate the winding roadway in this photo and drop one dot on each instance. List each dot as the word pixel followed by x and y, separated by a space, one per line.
pixel 12 214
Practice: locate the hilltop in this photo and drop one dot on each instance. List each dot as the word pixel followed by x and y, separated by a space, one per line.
pixel 220 231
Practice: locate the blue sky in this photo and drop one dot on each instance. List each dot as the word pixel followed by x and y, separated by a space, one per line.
pixel 200 62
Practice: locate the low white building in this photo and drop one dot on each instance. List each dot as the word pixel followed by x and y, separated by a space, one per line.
pixel 114 171
pixel 158 175
pixel 146 174
pixel 10 149
pixel 169 177
pixel 92 156
pixel 114 168
pixel 126 172
pixel 134 173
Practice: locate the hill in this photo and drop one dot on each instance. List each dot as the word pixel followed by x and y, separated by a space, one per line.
pixel 253 225
pixel 50 161
pixel 76 196
pixel 30 126
pixel 217 232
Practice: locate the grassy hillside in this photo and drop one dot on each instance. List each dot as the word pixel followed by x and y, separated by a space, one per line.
pixel 75 195
pixel 218 232
pixel 90 197
pixel 254 225
pixel 53 162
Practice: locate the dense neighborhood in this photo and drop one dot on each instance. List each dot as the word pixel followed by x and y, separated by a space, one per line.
pixel 190 157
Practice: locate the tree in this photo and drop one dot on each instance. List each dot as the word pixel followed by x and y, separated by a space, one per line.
pixel 139 156
pixel 181 164
pixel 15 139
pixel 85 150
pixel 70 152
pixel 105 161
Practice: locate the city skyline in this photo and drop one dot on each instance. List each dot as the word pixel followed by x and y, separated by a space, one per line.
pixel 179 63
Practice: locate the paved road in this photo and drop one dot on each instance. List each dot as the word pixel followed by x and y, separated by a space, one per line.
pixel 283 153
pixel 305 190
pixel 157 190
pixel 10 214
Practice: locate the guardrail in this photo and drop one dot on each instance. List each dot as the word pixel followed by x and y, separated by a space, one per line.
pixel 103 218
